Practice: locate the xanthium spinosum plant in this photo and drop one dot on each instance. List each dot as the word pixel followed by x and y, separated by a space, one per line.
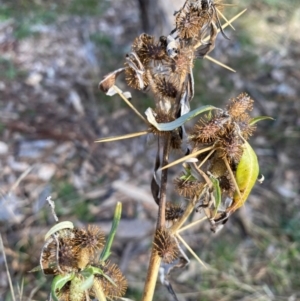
pixel 220 167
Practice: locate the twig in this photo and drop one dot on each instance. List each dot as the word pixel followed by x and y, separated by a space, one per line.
pixel 52 205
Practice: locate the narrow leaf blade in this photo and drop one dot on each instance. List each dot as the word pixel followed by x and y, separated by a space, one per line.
pixel 259 118
pixel 58 227
pixel 117 216
pixel 170 126
pixel 217 193
pixel 58 283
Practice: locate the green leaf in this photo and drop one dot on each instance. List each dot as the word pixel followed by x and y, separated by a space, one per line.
pixel 87 283
pixel 246 176
pixel 259 118
pixel 58 227
pixel 58 283
pixel 117 216
pixel 93 271
pixel 170 126
pixel 217 193
pixel 90 270
pixel 188 175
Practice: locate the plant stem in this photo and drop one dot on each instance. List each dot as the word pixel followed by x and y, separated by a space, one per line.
pixel 155 260
pixel 151 279
pixel 163 184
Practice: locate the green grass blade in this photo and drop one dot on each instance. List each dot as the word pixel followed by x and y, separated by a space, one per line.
pixel 117 216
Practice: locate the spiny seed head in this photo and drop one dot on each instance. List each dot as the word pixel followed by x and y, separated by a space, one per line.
pixel 138 42
pixel 152 50
pixel 188 24
pixel 240 105
pixel 173 212
pixel 165 245
pixel 59 255
pixel 226 184
pixel 164 88
pixel 132 79
pixel 114 290
pixel 48 259
pixel 243 122
pixel 206 131
pixel 230 146
pixel 188 188
pixel 91 238
pixel 181 65
pixel 67 256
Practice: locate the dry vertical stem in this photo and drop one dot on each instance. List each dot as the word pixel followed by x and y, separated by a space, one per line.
pixel 155 260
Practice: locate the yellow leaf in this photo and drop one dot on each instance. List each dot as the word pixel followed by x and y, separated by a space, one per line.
pixel 246 176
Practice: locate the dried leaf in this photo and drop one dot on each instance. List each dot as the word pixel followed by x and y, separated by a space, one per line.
pixel 109 80
pixel 58 227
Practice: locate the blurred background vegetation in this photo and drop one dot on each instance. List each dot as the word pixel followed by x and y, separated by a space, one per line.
pixel 52 57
